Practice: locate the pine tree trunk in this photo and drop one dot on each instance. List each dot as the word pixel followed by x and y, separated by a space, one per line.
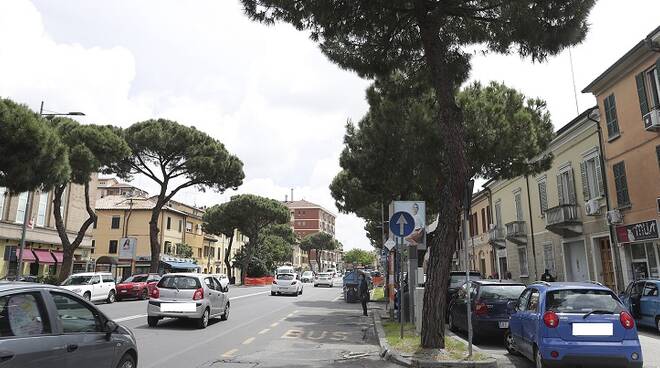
pixel 153 237
pixel 309 259
pixel 227 253
pixel 446 67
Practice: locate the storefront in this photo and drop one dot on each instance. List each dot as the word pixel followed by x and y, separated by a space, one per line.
pixel 641 246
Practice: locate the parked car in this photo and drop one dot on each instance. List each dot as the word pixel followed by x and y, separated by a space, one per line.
pixel 285 269
pixel 92 286
pixel 24 278
pixel 643 301
pixel 47 326
pixel 573 324
pixel 137 286
pixel 188 295
pixel 456 280
pixel 286 283
pixel 224 280
pixel 324 278
pixel 488 301
pixel 307 276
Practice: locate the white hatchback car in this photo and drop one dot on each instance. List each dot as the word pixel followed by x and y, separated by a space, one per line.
pixel 286 283
pixel 92 286
pixel 324 278
pixel 224 280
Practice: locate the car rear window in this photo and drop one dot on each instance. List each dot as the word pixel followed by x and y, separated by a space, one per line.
pixel 510 292
pixel 179 282
pixel 284 276
pixel 582 301
pixel 457 280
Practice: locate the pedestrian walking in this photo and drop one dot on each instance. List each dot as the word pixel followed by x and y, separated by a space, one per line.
pixel 363 289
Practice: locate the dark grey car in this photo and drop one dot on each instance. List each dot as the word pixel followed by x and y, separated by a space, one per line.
pixel 48 326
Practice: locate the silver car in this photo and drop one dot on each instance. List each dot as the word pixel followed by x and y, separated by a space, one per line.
pixel 48 326
pixel 188 295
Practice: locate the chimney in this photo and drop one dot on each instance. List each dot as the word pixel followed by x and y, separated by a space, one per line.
pixel 291 194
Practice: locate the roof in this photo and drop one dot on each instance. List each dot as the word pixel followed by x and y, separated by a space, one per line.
pixel 622 64
pixel 496 282
pixel 578 119
pixel 305 204
pixel 569 285
pixel 120 202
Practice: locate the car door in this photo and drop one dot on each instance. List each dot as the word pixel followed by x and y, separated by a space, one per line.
pixel 97 288
pixel 28 338
pixel 222 295
pixel 82 332
pixel 516 321
pixel 648 303
pixel 457 307
pixel 530 321
pixel 214 302
pixel 108 283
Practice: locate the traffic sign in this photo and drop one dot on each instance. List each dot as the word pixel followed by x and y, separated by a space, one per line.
pixel 402 224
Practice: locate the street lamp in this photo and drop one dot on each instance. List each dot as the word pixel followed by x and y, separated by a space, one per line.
pixel 26 216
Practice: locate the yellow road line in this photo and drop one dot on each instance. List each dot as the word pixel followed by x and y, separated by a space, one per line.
pixel 248 341
pixel 230 353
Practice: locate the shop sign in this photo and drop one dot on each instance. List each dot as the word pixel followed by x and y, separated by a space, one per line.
pixel 641 231
pixel 127 248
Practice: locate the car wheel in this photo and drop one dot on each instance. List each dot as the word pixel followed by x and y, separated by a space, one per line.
pixel 316 285
pixel 538 360
pixel 127 361
pixel 145 294
pixel 111 297
pixel 152 321
pixel 452 326
pixel 272 293
pixel 87 296
pixel 508 343
pixel 301 289
pixel 657 323
pixel 204 320
pixel 225 315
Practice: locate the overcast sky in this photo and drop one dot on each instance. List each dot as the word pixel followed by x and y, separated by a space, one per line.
pixel 266 92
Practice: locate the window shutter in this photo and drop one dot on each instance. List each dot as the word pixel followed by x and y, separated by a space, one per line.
pixel 585 182
pixel 571 188
pixel 599 176
pixel 641 93
pixel 560 190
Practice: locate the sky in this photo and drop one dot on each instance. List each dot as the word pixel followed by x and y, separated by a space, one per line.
pixel 266 92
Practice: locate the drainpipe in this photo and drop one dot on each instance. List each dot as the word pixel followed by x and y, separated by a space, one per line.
pixel 531 228
pixel 494 262
pixel 618 268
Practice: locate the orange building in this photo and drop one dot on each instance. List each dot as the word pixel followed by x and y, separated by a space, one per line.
pixel 628 95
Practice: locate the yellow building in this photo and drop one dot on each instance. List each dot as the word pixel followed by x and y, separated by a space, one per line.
pixel 43 252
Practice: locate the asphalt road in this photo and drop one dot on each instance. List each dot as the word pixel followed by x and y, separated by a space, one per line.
pixel 316 329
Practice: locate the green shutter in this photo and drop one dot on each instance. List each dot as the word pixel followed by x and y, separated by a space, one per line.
pixel 585 181
pixel 560 190
pixel 641 93
pixel 571 188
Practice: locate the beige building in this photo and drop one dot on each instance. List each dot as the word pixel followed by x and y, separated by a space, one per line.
pixel 112 186
pixel 480 251
pixel 43 253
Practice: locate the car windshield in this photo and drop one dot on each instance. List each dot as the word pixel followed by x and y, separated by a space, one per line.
pixel 307 273
pixel 77 280
pixel 457 280
pixel 509 292
pixel 582 301
pixel 179 282
pixel 285 276
pixel 137 278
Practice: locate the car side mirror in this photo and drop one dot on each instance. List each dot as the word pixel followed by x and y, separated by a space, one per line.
pixel 110 327
pixel 226 289
pixel 512 306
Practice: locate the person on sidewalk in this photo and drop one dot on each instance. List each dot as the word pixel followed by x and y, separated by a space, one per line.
pixel 547 276
pixel 363 290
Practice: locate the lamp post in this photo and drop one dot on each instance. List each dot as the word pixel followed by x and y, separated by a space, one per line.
pixel 467 204
pixel 26 216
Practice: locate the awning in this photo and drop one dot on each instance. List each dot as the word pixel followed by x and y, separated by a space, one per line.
pixel 182 265
pixel 59 256
pixel 28 256
pixel 44 256
pixel 106 260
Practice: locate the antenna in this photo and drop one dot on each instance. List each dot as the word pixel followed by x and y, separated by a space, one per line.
pixel 291 194
pixel 570 58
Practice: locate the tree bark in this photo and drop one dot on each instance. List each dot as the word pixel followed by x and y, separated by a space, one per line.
pixel 69 247
pixel 227 253
pixel 442 63
pixel 309 259
pixel 153 237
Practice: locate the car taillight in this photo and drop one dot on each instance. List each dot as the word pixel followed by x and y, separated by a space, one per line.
pixel 480 308
pixel 551 319
pixel 627 320
pixel 199 294
pixel 155 293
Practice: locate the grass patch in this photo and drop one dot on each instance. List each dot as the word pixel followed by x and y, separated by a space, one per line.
pixel 378 295
pixel 410 345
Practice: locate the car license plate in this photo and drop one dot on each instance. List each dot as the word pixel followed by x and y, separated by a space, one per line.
pixel 592 329
pixel 503 324
pixel 122 291
pixel 178 307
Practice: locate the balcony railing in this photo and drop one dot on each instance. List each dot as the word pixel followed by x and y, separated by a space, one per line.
pixel 562 214
pixel 496 234
pixel 516 232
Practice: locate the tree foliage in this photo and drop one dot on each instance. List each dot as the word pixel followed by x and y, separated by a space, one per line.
pixel 218 220
pixel 318 242
pixel 91 149
pixel 275 248
pixel 174 155
pixel 32 155
pixel 359 257
pixel 184 250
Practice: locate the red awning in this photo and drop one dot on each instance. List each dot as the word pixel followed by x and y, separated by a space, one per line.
pixel 28 256
pixel 44 256
pixel 58 255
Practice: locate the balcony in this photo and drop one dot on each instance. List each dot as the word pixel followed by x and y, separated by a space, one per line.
pixel 496 237
pixel 564 220
pixel 516 232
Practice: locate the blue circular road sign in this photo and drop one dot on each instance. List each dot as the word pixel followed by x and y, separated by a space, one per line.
pixel 402 224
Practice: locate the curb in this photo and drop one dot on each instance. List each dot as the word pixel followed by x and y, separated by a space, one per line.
pixel 387 353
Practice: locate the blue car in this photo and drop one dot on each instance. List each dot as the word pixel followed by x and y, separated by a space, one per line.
pixel 573 324
pixel 642 299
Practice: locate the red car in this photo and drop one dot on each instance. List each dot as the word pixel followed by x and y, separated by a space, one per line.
pixel 137 286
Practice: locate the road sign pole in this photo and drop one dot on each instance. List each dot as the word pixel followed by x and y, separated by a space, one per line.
pixel 400 293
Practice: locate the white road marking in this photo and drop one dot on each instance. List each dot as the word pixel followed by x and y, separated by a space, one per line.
pixel 230 353
pixel 247 295
pixel 122 319
pixel 337 298
pixel 263 331
pixel 274 324
pixel 248 341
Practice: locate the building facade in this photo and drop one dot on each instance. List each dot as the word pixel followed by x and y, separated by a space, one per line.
pixel 43 253
pixel 480 251
pixel 628 96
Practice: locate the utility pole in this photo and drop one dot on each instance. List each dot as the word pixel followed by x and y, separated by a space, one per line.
pixel 467 204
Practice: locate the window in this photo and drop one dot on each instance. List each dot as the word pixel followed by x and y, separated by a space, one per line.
pixel 112 247
pixel 483 220
pixel 610 116
pixel 189 227
pixel 43 203
pixel 93 246
pixel 549 257
pixel 199 252
pixel 3 194
pixel 648 90
pixel 23 314
pixel 517 199
pixel 592 180
pixel 20 209
pixel 543 196
pixel 169 223
pixel 524 300
pixel 108 278
pixel 621 185
pixel 566 187
pixel 180 225
pixel 522 259
pixel 75 316
pixel 650 289
pixel 488 219
pixel 63 205
pixel 115 222
pixel 168 247
pixel 533 304
pixel 498 214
